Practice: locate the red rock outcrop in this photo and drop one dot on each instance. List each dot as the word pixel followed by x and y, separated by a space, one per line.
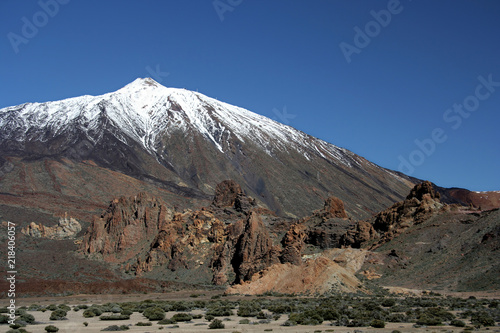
pixel 422 202
pixel 293 242
pixel 226 193
pixel 254 249
pixel 129 223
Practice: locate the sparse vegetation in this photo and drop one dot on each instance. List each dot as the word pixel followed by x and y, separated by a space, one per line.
pixel 154 313
pixel 51 328
pixel 114 328
pixel 216 324
pixel 58 314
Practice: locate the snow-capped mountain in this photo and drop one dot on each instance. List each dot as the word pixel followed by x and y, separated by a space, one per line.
pixel 144 110
pixel 185 140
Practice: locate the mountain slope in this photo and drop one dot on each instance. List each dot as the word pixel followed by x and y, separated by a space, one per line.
pixel 186 143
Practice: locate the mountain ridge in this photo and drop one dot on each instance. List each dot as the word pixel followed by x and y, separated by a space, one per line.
pixel 187 142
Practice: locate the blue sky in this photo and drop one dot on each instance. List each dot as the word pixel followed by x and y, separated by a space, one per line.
pixel 392 102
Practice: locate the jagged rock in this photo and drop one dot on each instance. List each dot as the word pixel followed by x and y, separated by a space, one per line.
pixel 254 249
pixel 226 193
pixel 127 224
pixel 422 202
pixel 293 243
pixel 361 233
pixel 243 203
pixel 424 190
pixel 333 208
pixel 66 228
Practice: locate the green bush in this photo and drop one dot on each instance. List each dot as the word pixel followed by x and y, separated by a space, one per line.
pixel 182 317
pixel 17 330
pixel 216 324
pixel 167 321
pixel 482 318
pixel 27 318
pixel 245 321
pixel 51 328
pixel 209 317
pixel 388 302
pixel 457 323
pixel 377 323
pixel 429 321
pixel 89 313
pixel 52 307
pixel 154 313
pixel 115 317
pixel 144 324
pixel 64 307
pixel 308 317
pixel 58 314
pixel 116 328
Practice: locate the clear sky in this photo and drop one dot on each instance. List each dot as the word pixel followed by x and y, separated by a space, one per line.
pixel 409 85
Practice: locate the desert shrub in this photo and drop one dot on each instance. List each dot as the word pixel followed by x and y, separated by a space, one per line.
pixel 4 319
pixel 115 317
pixel 209 317
pixel 377 323
pixel 308 317
pixel 154 313
pixel 457 323
pixel 167 321
pixel 180 306
pixel 127 312
pixel 197 316
pixel 220 311
pixel 262 315
pixel 289 323
pixel 58 314
pixel 358 322
pixel 482 318
pixel 17 330
pixel 51 328
pixel 34 307
pixel 52 307
pixel 397 318
pixel 85 324
pixel 429 321
pixel 281 307
pixel 182 317
pixel 388 302
pixel 245 321
pixel 89 313
pixel 440 313
pixel 114 328
pixel 248 309
pixel 216 324
pixel 64 307
pixel 26 319
pixel 116 309
pixel 144 324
